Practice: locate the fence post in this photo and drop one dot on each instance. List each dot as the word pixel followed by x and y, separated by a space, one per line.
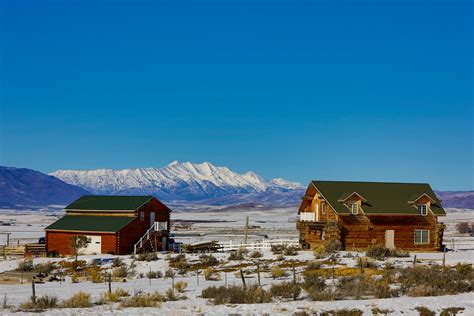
pixel 243 279
pixel 258 274
pixel 33 291
pixel 110 283
pixel 414 261
pixel 197 276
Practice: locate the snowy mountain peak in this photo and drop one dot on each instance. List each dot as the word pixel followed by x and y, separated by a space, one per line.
pixel 175 181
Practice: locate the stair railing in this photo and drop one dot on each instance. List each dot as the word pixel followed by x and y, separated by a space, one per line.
pixel 146 236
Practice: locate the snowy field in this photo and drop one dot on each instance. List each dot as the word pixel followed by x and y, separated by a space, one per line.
pixel 278 223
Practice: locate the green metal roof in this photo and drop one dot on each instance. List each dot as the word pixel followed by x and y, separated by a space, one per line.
pixel 381 197
pixel 91 223
pixel 109 202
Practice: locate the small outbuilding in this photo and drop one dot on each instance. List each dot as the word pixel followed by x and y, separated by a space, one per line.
pixel 113 224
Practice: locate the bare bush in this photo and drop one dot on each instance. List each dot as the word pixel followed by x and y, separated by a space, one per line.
pixel 154 274
pixel 236 294
pixel 328 248
pixel 180 286
pixel 380 252
pixel 144 300
pixel 464 227
pixel 286 290
pixel 78 300
pixel 147 256
pixel 277 272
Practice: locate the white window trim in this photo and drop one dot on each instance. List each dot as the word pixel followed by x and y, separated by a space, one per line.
pixel 353 207
pixel 425 213
pixel 421 237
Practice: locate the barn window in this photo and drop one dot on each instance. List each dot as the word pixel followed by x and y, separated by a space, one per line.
pixel 323 208
pixel 422 236
pixel 353 208
pixel 142 216
pixel 423 209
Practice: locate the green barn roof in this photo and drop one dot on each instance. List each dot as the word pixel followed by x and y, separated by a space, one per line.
pixel 109 202
pixel 87 223
pixel 381 198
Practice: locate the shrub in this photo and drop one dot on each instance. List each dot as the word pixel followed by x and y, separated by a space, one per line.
pixel 117 262
pixel 180 286
pixel 45 268
pixel 277 249
pixel 425 311
pixel 290 251
pixel 428 281
pixel 78 300
pixel 170 296
pixel 364 262
pixel 179 262
pixel 147 256
pixel 74 278
pixel 313 282
pixel 154 274
pixel 451 311
pixel 324 295
pixel 380 252
pixel 354 287
pixel 208 260
pixel 343 312
pixel 256 254
pixel 120 272
pixel 328 248
pixel 286 290
pixel 313 265
pixel 277 272
pixel 144 300
pixel 25 265
pixel 96 276
pixel 211 275
pixel 236 294
pixel 170 273
pixel 42 303
pixel 236 255
pixel 114 296
pixel 464 227
pixel 379 311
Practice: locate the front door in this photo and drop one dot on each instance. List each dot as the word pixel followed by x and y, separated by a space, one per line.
pixel 390 239
pixel 152 218
pixel 94 247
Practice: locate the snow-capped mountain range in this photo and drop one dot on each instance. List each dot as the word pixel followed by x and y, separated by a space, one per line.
pixel 178 182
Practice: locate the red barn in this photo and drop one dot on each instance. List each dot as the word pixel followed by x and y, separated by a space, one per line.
pixel 114 225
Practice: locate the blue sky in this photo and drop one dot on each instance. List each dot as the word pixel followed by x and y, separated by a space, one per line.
pixel 343 90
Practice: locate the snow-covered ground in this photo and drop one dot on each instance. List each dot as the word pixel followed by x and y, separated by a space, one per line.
pixel 277 223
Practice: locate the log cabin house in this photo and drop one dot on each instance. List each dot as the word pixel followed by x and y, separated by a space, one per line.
pixel 359 214
pixel 114 225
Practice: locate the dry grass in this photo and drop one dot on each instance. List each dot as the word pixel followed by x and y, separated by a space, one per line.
pixel 78 300
pixel 180 286
pixel 328 248
pixel 144 300
pixel 277 272
pixel 343 312
pixel 114 296
pixel 380 252
pixel 285 290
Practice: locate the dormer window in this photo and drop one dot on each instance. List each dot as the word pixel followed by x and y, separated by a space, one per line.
pixel 353 207
pixel 423 209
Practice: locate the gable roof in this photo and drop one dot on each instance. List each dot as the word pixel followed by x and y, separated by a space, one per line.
pixel 109 202
pixel 88 223
pixel 382 198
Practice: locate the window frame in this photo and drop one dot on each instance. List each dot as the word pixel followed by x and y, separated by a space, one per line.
pixel 353 208
pixel 421 240
pixel 323 208
pixel 423 209
pixel 142 216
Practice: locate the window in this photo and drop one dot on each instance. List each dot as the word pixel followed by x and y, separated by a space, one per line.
pixel 142 216
pixel 422 236
pixel 323 208
pixel 423 209
pixel 353 208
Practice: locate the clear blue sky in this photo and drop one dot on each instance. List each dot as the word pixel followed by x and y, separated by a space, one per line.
pixel 344 90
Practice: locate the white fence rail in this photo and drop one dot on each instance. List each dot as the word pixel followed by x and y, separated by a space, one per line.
pixel 307 217
pixel 258 245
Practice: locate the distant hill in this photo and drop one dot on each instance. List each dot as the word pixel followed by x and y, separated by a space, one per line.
pixel 456 199
pixel 26 187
